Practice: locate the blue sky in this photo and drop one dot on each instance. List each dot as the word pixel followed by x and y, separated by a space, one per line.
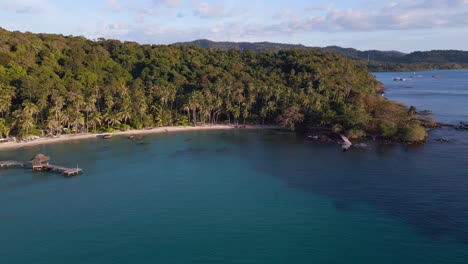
pixel 405 25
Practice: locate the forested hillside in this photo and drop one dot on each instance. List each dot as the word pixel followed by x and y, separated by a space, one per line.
pixel 53 84
pixel 254 46
pixel 375 60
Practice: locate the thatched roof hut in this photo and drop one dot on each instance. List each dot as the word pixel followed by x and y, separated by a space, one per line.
pixel 40 159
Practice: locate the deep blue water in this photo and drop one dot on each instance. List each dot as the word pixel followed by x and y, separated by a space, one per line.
pixel 446 97
pixel 240 197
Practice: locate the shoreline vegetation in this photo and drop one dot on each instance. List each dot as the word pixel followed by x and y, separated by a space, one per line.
pixel 53 84
pixel 135 133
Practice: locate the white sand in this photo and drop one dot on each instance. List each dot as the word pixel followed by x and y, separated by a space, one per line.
pixel 62 138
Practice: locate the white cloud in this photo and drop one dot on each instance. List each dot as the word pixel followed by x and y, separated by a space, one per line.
pixel 157 7
pixel 322 7
pixel 399 15
pixel 285 14
pixel 147 32
pixel 167 21
pixel 24 6
pixel 166 3
pixel 114 6
pixel 205 10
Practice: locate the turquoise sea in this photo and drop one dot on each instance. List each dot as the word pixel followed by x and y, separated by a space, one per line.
pixel 246 196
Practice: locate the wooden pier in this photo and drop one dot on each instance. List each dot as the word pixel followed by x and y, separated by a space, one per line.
pixel 62 170
pixel 11 163
pixel 41 163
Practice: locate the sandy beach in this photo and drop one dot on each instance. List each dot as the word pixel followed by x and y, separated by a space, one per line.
pixel 62 138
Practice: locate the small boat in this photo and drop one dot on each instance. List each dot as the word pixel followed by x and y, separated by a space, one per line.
pixel 415 75
pixel 107 136
pixel 398 79
pixel 437 76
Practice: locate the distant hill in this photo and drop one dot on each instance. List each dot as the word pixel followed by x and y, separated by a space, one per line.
pixel 375 55
pixel 377 60
pixel 437 56
pixel 255 46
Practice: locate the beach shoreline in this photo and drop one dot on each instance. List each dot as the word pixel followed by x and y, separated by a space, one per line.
pixel 70 137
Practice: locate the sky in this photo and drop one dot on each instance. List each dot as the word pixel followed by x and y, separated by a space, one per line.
pixel 403 25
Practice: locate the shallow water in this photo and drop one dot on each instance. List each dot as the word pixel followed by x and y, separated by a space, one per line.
pixel 238 197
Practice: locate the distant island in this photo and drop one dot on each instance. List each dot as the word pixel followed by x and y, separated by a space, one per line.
pixel 53 84
pixel 377 61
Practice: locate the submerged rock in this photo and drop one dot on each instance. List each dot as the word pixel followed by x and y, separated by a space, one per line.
pixel 361 145
pixel 135 137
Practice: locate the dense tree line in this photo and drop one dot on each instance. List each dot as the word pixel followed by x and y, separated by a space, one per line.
pixel 375 59
pixel 375 66
pixel 56 84
pixel 253 46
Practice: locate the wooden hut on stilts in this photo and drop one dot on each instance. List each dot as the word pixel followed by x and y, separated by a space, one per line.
pixel 39 162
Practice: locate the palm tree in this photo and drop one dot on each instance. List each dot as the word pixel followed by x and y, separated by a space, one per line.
pixel 113 119
pixel 186 108
pixel 95 119
pixel 77 120
pixel 41 105
pixel 89 106
pixel 109 102
pixel 67 117
pixel 4 128
pixel 142 107
pixel 194 103
pixel 218 107
pixel 163 116
pixel 30 108
pixel 238 98
pixel 163 95
pixel 6 95
pixel 125 112
pixel 53 125
pixel 172 95
pixel 27 123
pixel 24 121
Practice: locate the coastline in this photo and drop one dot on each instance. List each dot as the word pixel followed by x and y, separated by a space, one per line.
pixel 70 137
